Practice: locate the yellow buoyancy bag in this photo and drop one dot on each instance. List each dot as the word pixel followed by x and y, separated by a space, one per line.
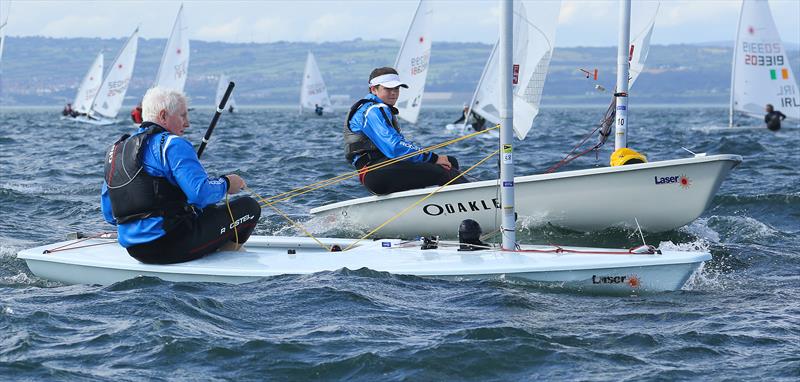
pixel 625 156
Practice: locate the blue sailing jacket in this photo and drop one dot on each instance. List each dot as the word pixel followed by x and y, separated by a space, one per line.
pixel 176 161
pixel 369 121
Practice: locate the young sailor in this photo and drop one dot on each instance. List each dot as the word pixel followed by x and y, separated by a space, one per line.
pixel 159 196
pixel 773 118
pixel 371 135
pixel 318 109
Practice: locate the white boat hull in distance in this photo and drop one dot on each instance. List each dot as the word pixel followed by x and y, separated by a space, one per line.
pixel 662 196
pixel 104 262
pixel 99 121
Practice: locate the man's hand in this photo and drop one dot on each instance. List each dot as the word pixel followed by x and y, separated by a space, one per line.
pixel 235 183
pixel 444 161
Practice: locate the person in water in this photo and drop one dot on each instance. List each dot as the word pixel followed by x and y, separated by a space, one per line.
pixel 136 114
pixel 372 135
pixel 318 109
pixel 773 118
pixel 477 122
pixel 159 195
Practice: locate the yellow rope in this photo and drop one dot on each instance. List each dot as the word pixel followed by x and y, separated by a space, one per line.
pixel 235 227
pixel 297 225
pixel 271 201
pixel 401 213
pixel 327 182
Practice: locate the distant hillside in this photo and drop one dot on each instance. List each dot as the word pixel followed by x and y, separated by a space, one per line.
pixel 46 71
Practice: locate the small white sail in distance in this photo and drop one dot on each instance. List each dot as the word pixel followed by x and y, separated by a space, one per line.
pixel 534 41
pixel 222 85
pixel 313 90
pixel 642 24
pixel 112 91
pixel 5 7
pixel 761 73
pixel 89 86
pixel 175 60
pixel 412 62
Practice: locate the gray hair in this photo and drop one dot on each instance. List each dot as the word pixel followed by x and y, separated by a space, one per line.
pixel 157 99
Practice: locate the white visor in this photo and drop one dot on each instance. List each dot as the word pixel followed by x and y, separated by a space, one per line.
pixel 388 81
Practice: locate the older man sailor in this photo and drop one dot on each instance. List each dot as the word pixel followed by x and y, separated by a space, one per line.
pixel 159 196
pixel 372 135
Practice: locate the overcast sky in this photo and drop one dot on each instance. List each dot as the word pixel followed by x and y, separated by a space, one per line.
pixel 582 22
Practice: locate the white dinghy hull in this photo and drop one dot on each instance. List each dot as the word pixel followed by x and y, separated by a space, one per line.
pixel 98 121
pixel 661 195
pixel 106 262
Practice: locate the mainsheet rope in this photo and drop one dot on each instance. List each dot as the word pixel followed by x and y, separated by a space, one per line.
pixel 327 182
pixel 270 202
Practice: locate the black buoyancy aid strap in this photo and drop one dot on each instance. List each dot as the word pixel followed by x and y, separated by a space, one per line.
pixel 361 102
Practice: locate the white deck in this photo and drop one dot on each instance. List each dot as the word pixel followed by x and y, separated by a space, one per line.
pixel 268 256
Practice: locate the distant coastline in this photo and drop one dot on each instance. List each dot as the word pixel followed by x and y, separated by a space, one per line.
pixel 38 71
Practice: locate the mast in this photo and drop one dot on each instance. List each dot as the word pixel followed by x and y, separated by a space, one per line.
pixel 621 96
pixel 508 223
pixel 733 65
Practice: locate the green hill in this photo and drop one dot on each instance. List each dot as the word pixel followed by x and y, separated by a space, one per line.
pixel 46 71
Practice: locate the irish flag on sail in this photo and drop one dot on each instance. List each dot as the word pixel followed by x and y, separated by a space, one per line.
pixel 761 73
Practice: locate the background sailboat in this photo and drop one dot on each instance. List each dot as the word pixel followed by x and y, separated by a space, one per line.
pixel 533 48
pixel 5 7
pixel 106 104
pixel 412 62
pixel 87 90
pixel 313 91
pixel 175 60
pixel 761 73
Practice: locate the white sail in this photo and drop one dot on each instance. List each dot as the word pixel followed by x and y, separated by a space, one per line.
pixel 643 21
pixel 412 62
pixel 5 7
pixel 89 86
pixel 761 72
pixel 175 60
pixel 534 40
pixel 313 90
pixel 222 85
pixel 109 98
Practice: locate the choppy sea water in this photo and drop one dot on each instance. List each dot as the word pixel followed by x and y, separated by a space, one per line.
pixel 739 318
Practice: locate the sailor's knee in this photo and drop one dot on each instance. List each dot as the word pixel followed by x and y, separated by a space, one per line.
pixel 251 206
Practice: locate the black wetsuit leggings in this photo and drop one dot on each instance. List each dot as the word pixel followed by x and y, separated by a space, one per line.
pixel 405 175
pixel 196 237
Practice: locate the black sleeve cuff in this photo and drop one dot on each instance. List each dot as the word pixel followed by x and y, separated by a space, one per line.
pixel 227 183
pixel 433 158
